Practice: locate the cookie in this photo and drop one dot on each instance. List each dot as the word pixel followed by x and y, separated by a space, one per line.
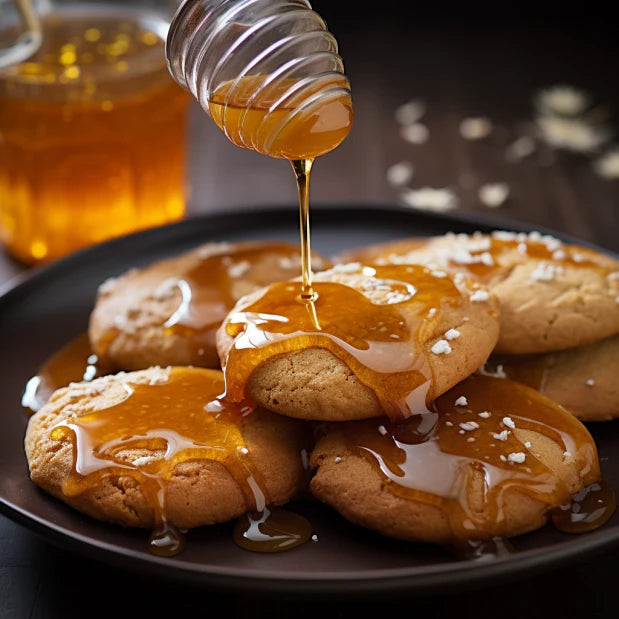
pixel 494 459
pixel 583 379
pixel 553 296
pixel 139 449
pixel 167 313
pixel 378 340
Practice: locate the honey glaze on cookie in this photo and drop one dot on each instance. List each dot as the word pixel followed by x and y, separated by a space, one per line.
pixel 209 288
pixel 366 328
pixel 156 427
pixel 73 362
pixel 476 447
pixel 483 256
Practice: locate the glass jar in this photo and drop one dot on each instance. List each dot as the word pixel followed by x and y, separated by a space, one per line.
pixel 92 131
pixel 267 72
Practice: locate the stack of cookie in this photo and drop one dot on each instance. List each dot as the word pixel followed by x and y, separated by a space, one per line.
pixel 559 309
pixel 392 397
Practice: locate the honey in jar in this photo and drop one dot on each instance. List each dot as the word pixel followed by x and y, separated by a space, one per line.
pixel 92 134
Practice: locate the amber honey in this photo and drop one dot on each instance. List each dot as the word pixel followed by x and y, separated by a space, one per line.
pixel 288 119
pixel 92 135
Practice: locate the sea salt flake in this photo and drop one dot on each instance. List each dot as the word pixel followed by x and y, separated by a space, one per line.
pixel 484 414
pixel 461 401
pixel 469 426
pixel 238 269
pixel 546 271
pixel 607 166
pixel 144 460
pixel 527 444
pixel 382 430
pixel 441 347
pixel 517 456
pixel 520 148
pixel 400 173
pixel 590 382
pixel 475 128
pixel 416 133
pixel 480 295
pixel 501 436
pixel 452 334
pixel 430 199
pixel 493 194
pixel 509 422
pixel 338 459
pixel 410 112
pixel 573 134
pixel 562 100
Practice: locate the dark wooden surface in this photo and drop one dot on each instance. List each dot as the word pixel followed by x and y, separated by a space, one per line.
pixel 465 65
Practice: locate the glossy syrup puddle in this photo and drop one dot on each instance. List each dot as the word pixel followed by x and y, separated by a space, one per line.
pixel 380 338
pixel 465 459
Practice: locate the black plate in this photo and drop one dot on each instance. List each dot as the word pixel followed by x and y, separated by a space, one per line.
pixel 52 304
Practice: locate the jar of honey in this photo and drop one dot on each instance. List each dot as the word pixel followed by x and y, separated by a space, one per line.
pixel 92 130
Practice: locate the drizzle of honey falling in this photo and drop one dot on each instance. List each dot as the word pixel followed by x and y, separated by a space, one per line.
pixel 381 342
pixel 445 458
pixel 592 507
pixel 154 428
pixel 272 530
pixel 210 286
pixel 293 119
pixel 74 362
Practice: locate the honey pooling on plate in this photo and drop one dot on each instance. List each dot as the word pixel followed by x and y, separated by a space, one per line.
pixel 270 77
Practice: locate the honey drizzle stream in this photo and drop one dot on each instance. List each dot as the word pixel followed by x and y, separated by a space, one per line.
pixel 302 169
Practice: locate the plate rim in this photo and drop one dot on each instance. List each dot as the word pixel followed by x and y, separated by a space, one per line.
pixel 452 574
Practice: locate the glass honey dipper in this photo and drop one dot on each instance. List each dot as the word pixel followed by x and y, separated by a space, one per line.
pixel 269 74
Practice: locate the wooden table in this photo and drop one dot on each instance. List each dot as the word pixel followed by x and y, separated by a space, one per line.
pixel 471 65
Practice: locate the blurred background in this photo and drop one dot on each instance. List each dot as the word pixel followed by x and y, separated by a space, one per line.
pixel 509 112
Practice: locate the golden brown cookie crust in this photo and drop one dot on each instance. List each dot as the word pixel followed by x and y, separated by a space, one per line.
pixel 199 492
pixel 127 326
pixel 547 304
pixel 314 384
pixel 355 486
pixel 584 380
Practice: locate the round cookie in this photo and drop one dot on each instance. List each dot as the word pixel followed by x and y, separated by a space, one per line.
pixel 553 296
pixel 168 312
pixel 378 340
pixel 485 464
pixel 139 449
pixel 583 380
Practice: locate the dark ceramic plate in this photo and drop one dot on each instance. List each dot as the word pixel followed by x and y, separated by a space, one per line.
pixel 52 304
